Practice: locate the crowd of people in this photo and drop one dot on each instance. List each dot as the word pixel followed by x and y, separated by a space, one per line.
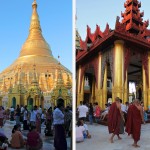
pixel 119 117
pixel 57 123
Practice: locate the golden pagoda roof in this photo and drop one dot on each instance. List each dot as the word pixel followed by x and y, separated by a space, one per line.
pixel 35 43
pixel 35 50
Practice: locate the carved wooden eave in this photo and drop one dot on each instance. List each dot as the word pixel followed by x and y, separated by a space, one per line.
pixel 146 33
pixel 99 43
pixel 98 32
pixel 132 30
pixel 119 33
pixel 92 39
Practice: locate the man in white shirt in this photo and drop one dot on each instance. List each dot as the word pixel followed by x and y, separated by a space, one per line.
pixel 83 110
pixel 33 116
pixel 40 109
pixel 22 109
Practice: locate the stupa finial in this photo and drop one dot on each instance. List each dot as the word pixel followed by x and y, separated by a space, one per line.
pixel 34 2
pixel 35 40
pixel 35 23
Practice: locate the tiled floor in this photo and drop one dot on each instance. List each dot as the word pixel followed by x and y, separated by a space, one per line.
pixel 47 141
pixel 100 140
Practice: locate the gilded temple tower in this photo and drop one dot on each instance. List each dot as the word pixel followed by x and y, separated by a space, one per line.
pixel 35 51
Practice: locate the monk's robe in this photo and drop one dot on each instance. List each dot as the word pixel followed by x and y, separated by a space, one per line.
pixel 114 118
pixel 134 121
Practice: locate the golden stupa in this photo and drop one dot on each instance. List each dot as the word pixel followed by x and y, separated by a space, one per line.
pixel 35 62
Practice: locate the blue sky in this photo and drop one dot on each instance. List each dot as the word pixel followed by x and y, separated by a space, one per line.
pixel 56 22
pixel 92 12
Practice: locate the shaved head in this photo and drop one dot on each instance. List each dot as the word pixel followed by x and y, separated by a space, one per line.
pixel 136 101
pixel 117 99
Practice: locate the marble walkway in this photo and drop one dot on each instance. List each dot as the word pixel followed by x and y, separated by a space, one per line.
pixel 47 141
pixel 100 140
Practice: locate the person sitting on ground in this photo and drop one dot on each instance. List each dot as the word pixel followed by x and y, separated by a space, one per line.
pixel 3 141
pixel 105 112
pixel 17 140
pixel 34 141
pixel 79 131
pixel 86 133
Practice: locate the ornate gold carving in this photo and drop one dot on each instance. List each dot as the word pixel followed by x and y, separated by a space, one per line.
pixel 117 89
pixel 125 90
pixel 145 92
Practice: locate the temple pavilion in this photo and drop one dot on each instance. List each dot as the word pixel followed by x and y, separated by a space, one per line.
pixel 107 61
pixel 32 77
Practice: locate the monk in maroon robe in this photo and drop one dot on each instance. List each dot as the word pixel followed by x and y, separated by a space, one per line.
pixel 114 119
pixel 134 121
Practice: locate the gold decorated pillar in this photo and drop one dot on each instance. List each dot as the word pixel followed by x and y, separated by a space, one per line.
pixel 126 91
pixel 99 93
pixel 144 88
pixel 9 102
pixel 118 69
pixel 93 92
pixel 18 100
pixel 25 100
pixel 34 101
pixel 104 88
pixel 79 84
pixel 148 98
pixel 37 101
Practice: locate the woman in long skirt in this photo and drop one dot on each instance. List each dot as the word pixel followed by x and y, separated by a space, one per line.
pixel 38 122
pixel 1 116
pixel 25 118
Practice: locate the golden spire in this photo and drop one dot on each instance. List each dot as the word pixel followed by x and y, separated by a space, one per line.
pixel 35 43
pixel 35 23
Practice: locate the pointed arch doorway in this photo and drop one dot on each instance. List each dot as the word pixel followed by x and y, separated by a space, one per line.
pixel 30 103
pixel 13 102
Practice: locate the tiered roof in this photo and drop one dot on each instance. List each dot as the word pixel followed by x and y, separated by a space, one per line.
pixel 132 17
pixel 131 29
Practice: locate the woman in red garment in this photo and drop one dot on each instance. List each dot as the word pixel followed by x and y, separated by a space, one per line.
pixel 34 141
pixel 114 119
pixel 97 112
pixel 134 121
